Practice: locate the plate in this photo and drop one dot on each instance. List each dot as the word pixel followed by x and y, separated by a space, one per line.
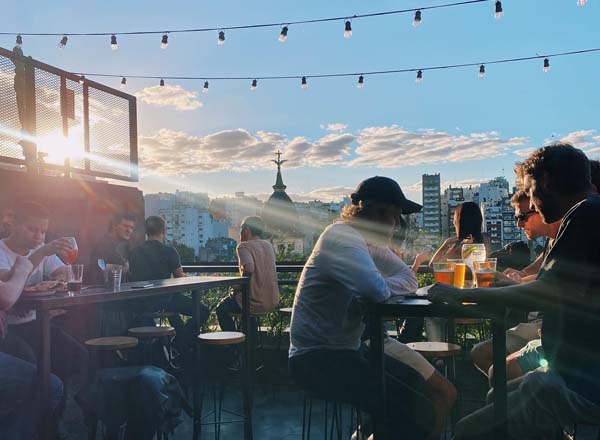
pixel 37 294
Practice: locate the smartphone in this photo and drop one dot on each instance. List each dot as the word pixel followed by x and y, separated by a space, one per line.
pixel 139 286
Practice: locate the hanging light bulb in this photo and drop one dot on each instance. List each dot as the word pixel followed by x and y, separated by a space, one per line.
pixel 304 83
pixel 113 42
pixel 164 43
pixel 581 2
pixel 361 82
pixel 221 40
pixel 499 14
pixel 348 29
pixel 63 42
pixel 546 65
pixel 82 79
pixel 19 41
pixel 162 83
pixel 481 71
pixel 283 34
pixel 205 88
pixel 417 20
pixel 254 84
pixel 419 77
pixel 123 82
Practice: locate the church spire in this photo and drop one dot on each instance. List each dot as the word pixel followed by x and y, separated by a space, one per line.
pixel 279 186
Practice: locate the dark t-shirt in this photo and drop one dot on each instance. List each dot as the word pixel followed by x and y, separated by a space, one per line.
pixel 571 283
pixel 153 260
pixel 111 251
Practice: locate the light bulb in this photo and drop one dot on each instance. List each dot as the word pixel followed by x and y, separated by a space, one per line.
pixel 419 77
pixel 546 65
pixel 113 42
pixel 361 82
pixel 417 20
pixel 205 88
pixel 499 14
pixel 304 83
pixel 254 84
pixel 19 41
pixel 283 34
pixel 82 79
pixel 123 82
pixel 164 43
pixel 481 71
pixel 348 29
pixel 581 2
pixel 221 40
pixel 63 42
pixel 162 83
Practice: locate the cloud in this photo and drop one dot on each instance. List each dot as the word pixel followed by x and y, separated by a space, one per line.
pixel 393 146
pixel 586 140
pixel 338 126
pixel 170 96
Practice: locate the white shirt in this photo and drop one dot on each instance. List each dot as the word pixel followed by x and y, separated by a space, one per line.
pixel 43 271
pixel 400 278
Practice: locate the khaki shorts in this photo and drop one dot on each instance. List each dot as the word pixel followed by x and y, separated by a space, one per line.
pixel 518 336
pixel 405 355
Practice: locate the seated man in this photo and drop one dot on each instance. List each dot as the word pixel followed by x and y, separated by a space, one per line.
pixel 256 259
pixel 567 291
pixel 19 379
pixel 517 337
pixel 69 357
pixel 326 326
pixel 154 260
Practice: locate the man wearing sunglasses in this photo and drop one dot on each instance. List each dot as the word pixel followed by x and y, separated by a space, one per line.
pixel 519 336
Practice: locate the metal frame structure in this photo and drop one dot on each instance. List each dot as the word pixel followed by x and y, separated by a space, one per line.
pixel 27 108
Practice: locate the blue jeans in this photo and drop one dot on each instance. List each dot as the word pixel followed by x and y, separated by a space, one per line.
pixel 20 413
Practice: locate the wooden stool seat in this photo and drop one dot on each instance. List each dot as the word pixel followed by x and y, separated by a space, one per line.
pixel 158 314
pixel 151 331
pixel 435 349
pixel 221 338
pixel 468 321
pixel 286 311
pixel 111 343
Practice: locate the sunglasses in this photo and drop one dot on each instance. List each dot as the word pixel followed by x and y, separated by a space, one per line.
pixel 525 215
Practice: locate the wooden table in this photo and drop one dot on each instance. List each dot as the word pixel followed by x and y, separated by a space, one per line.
pixel 416 307
pixel 197 285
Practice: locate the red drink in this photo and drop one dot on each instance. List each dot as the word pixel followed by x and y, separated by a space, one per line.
pixel 70 256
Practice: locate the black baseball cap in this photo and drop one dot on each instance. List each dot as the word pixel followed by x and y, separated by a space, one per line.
pixel 384 190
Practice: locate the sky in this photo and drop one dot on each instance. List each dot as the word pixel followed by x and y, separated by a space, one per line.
pixel 333 135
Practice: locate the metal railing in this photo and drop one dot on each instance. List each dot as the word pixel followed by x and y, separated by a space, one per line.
pixel 51 119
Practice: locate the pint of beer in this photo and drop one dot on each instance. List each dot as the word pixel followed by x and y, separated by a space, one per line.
pixel 444 272
pixel 485 272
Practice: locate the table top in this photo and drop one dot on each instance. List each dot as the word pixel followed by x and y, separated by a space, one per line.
pixel 127 291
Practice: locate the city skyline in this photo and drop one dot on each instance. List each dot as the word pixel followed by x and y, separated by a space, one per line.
pixel 333 134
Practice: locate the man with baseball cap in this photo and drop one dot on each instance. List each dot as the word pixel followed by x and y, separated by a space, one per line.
pixel 327 323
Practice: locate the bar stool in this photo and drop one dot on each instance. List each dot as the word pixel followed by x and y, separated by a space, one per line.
pixel 443 350
pixel 148 335
pixel 284 313
pixel 214 340
pixel 332 419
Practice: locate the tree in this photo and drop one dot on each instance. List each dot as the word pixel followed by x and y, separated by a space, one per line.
pixel 186 253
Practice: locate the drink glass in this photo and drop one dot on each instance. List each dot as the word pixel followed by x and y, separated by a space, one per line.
pixel 471 253
pixel 70 256
pixel 113 275
pixel 74 278
pixel 485 272
pixel 460 270
pixel 444 272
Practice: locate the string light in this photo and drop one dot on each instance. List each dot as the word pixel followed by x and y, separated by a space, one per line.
pixel 123 82
pixel 82 79
pixel 205 88
pixel 348 29
pixel 254 85
pixel 19 41
pixel 304 83
pixel 581 2
pixel 499 14
pixel 283 34
pixel 63 42
pixel 417 20
pixel 361 82
pixel 419 77
pixel 221 40
pixel 162 83
pixel 113 42
pixel 481 71
pixel 546 65
pixel 164 42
